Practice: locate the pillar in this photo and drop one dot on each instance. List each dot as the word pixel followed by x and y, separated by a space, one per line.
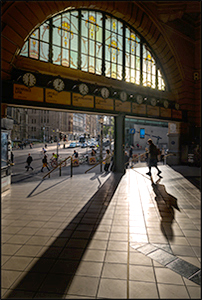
pixel 119 146
pixel 174 144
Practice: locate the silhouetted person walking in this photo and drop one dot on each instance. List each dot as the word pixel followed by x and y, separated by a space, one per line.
pixel 28 161
pixel 152 159
pixel 45 163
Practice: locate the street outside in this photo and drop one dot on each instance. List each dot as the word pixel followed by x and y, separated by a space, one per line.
pixel 19 172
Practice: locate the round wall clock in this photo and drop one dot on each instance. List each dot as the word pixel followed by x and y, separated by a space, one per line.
pixel 139 99
pixel 105 92
pixel 153 101
pixel 29 79
pixel 177 106
pixel 165 103
pixel 58 84
pixel 123 96
pixel 83 89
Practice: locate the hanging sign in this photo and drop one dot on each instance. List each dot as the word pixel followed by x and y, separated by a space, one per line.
pixel 152 110
pixel 53 96
pixel 165 112
pixel 25 93
pixel 122 106
pixel 82 101
pixel 107 104
pixel 139 109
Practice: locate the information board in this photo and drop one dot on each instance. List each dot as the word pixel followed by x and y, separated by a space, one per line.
pixel 106 104
pixel 25 93
pixel 139 109
pixel 152 110
pixel 122 106
pixel 53 96
pixel 82 101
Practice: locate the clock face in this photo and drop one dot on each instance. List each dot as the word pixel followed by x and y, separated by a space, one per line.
pixel 29 79
pixel 172 127
pixel 165 103
pixel 83 89
pixel 123 96
pixel 139 99
pixel 153 101
pixel 177 106
pixel 104 92
pixel 58 84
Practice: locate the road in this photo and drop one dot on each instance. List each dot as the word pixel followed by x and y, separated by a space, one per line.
pixel 19 172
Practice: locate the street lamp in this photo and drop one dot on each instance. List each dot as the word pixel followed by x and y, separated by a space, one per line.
pixel 101 138
pixel 57 141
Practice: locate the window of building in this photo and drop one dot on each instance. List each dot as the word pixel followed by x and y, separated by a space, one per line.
pixel 97 43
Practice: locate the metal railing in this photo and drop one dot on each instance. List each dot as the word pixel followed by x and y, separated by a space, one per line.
pixel 60 166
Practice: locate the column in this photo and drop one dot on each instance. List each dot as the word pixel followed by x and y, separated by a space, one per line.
pixel 119 144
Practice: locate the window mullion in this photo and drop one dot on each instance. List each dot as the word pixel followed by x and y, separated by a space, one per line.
pixel 79 41
pixel 51 41
pixel 124 54
pixel 141 61
pixel 103 43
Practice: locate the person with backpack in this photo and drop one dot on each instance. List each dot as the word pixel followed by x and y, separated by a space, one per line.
pixel 45 163
pixel 152 159
pixel 28 161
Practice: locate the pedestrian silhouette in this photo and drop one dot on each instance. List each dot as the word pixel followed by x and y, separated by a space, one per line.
pixel 29 161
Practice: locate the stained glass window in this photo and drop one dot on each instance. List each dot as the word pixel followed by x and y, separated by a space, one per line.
pixel 75 39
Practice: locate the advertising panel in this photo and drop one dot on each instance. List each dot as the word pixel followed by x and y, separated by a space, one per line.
pixel 122 106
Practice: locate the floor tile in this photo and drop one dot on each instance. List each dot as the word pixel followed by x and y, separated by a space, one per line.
pixel 183 268
pixel 83 286
pixel 168 291
pixel 142 273
pixel 116 257
pixel 8 277
pixel 165 275
pixel 86 268
pixel 142 290
pixel 112 288
pixel 115 271
pixel 17 263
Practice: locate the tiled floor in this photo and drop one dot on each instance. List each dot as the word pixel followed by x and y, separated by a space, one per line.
pixel 131 238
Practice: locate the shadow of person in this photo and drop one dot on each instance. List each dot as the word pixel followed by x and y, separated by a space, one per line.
pixel 166 204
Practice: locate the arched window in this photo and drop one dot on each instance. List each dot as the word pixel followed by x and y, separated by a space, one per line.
pixel 98 43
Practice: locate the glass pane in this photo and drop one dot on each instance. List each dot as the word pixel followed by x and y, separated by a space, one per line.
pixel 74 43
pixel 127 46
pixel 113 70
pixel 153 69
pixel 56 55
pixel 127 60
pixel 108 23
pixel 98 50
pixel 65 57
pixel 132 61
pixel 120 57
pixel 35 34
pixel 99 34
pixel 153 85
pixel 98 66
pixel 75 13
pixel 144 79
pixel 132 76
pixel 33 48
pixel 107 70
pixel 144 65
pixel 137 49
pixel 74 25
pixel 137 62
pixel 57 21
pixel 91 65
pixel 137 78
pixel 73 60
pixel 24 50
pixel 99 19
pixel 44 51
pixel 119 72
pixel 44 32
pixel 91 48
pixel 107 53
pixel 57 36
pixel 84 62
pixel 84 28
pixel 127 75
pixel 120 28
pixel 84 45
pixel 107 37
pixel 114 25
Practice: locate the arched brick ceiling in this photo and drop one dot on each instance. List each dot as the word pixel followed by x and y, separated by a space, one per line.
pixel 19 18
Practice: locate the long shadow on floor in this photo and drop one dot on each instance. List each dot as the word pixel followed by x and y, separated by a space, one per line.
pixel 46 277
pixel 165 202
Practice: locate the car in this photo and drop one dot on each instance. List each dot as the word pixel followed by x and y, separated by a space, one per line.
pixel 78 144
pixel 72 145
pixel 92 145
pixel 84 145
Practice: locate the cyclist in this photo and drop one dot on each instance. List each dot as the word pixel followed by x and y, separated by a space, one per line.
pixel 55 156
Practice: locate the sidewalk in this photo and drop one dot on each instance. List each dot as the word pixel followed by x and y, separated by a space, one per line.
pixel 102 236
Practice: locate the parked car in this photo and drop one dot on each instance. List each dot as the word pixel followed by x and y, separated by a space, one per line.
pixel 72 145
pixel 84 145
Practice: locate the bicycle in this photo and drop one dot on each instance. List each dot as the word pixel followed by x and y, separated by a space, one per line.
pixel 55 162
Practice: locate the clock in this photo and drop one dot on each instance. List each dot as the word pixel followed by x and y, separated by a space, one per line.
pixel 105 92
pixel 83 89
pixel 165 103
pixel 29 79
pixel 139 99
pixel 173 127
pixel 123 96
pixel 153 101
pixel 177 106
pixel 58 84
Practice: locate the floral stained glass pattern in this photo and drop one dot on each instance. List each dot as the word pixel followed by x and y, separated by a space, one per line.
pixel 75 39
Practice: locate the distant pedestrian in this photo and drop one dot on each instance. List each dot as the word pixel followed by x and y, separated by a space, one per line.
pixel 131 152
pixel 162 155
pixel 107 161
pixel 75 154
pixel 152 160
pixel 126 159
pixel 30 145
pixel 45 163
pixel 29 161
pixel 12 157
